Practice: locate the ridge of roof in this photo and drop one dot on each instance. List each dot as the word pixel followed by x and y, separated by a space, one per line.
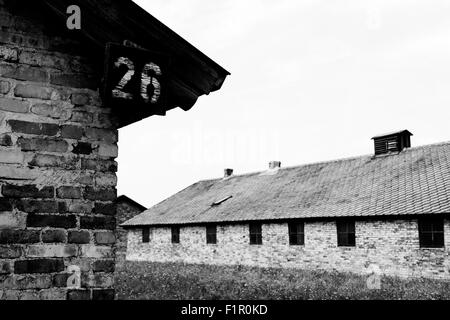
pixel 371 156
pixel 124 198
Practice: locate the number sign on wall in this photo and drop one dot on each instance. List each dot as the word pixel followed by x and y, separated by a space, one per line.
pixel 135 79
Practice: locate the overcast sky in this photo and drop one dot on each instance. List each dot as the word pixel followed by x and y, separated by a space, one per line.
pixel 310 81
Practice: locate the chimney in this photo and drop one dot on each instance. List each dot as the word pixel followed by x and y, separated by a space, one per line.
pixel 392 142
pixel 228 173
pixel 274 165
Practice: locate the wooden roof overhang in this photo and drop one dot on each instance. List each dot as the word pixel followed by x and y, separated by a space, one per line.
pixel 193 74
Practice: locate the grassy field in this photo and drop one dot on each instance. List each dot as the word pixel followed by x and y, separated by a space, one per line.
pixel 178 281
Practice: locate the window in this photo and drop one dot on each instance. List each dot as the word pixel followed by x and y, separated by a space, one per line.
pixel 255 233
pixel 431 233
pixel 346 233
pixel 175 234
pixel 296 233
pixel 211 234
pixel 146 235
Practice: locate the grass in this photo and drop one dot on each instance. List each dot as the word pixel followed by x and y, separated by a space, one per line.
pixel 171 281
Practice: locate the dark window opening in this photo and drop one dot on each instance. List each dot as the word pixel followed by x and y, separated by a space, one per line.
pixel 297 233
pixel 146 235
pixel 255 233
pixel 175 234
pixel 431 233
pixel 346 233
pixel 211 234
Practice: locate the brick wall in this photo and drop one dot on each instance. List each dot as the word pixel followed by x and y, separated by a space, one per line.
pixel 57 168
pixel 125 211
pixel 392 245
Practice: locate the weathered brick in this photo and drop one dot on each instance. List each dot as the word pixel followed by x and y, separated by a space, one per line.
pixel 41 59
pixel 99 165
pixel 5 268
pixel 106 294
pixel 74 80
pixel 81 207
pixel 29 295
pixel 97 252
pixel 62 207
pixel 52 294
pixel 105 238
pixel 51 111
pixel 17 173
pixel 82 148
pixel 4 68
pixel 52 251
pixel 38 206
pixel 46 129
pixel 51 161
pixel 40 144
pixel 97 134
pixel 100 223
pixel 8 54
pixel 81 117
pixel 13 220
pixel 27 73
pixel 5 86
pixel 32 91
pixel 5 140
pixel 80 99
pixel 79 237
pixel 27 191
pixel 105 120
pixel 72 132
pixel 5 204
pixel 42 221
pixel 102 194
pixel 105 208
pixel 11 157
pixel 9 295
pixel 79 295
pixel 7 282
pixel 60 280
pixel 31 281
pixel 108 150
pixel 9 236
pixel 97 280
pixel 10 252
pixel 39 266
pixel 68 192
pixel 84 178
pixel 103 266
pixel 14 105
pixel 54 236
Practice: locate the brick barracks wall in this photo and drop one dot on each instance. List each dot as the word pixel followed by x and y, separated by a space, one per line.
pixel 392 245
pixel 57 168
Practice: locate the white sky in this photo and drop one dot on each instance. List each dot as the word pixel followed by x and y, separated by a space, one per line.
pixel 310 81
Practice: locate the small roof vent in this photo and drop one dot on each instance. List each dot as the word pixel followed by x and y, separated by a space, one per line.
pixel 227 173
pixel 392 142
pixel 273 165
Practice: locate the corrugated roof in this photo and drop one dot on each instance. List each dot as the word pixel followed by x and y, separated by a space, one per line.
pixel 416 181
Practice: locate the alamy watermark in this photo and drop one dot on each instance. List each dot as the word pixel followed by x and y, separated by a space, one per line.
pixel 74 279
pixel 74 20
pixel 211 146
pixel 373 281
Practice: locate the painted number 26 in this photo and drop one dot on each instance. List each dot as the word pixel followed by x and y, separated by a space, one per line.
pixel 147 78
